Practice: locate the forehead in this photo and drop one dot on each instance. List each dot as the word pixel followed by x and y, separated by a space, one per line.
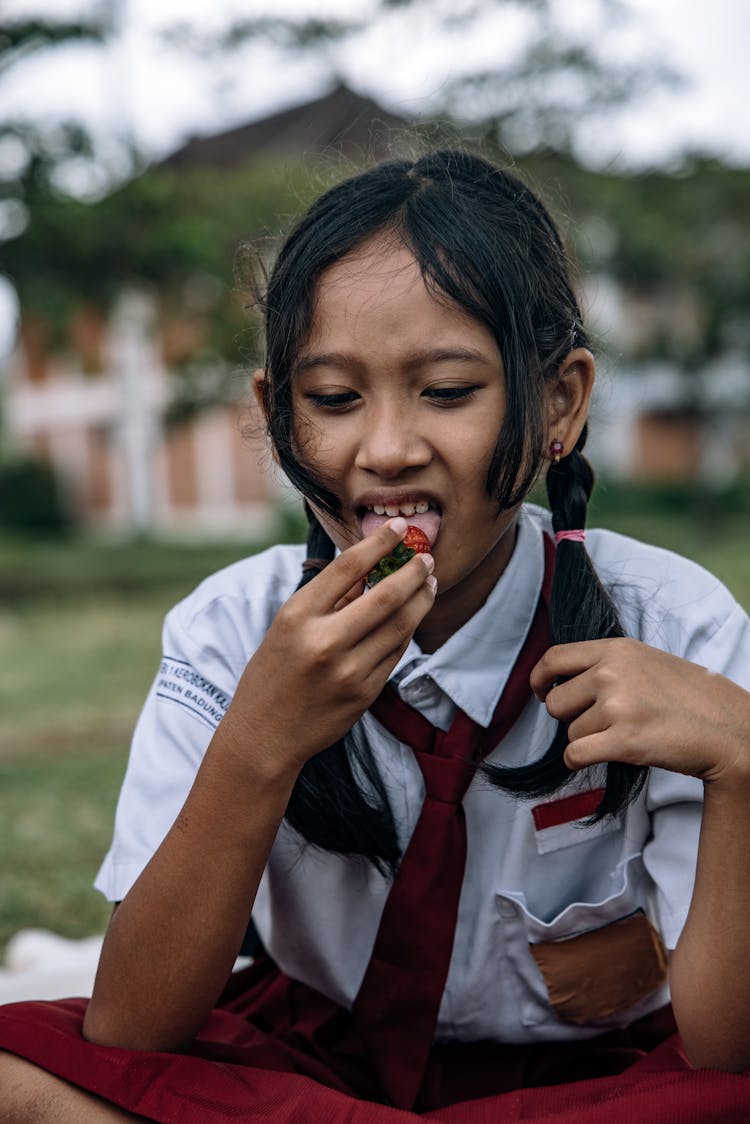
pixel 377 295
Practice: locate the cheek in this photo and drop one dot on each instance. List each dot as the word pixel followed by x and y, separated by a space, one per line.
pixel 341 537
pixel 305 436
pixel 477 456
pixel 315 444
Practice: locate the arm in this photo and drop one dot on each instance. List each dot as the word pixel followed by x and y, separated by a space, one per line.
pixel 626 701
pixel 171 943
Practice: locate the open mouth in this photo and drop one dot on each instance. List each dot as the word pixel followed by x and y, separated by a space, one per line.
pixel 427 516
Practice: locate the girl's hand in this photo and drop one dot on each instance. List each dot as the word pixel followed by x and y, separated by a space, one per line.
pixel 626 701
pixel 329 653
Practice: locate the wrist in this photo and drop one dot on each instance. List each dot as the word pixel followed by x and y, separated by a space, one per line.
pixel 729 783
pixel 253 759
pixel 731 771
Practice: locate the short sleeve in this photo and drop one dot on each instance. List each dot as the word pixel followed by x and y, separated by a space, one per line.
pixel 207 641
pixel 674 801
pixel 188 698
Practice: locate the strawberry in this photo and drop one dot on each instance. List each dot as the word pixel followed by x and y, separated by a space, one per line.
pixel 415 541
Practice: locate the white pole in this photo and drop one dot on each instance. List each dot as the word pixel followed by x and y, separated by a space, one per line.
pixel 135 365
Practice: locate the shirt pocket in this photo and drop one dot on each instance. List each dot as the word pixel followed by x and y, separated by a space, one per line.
pixel 616 979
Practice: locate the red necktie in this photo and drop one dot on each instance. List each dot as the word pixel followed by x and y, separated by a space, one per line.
pixel 397 1005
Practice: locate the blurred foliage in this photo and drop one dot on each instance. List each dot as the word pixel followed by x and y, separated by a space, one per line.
pixel 70 569
pixel 661 234
pixel 172 232
pixel 26 35
pixel 33 151
pixel 534 92
pixel 31 499
pixel 668 236
pixel 699 503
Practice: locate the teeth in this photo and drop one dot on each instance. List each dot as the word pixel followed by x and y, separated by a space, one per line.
pixel 407 509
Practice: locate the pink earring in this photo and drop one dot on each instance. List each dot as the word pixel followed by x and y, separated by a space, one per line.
pixel 556 449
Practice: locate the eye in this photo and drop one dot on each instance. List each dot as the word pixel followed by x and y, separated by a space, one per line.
pixel 334 401
pixel 449 395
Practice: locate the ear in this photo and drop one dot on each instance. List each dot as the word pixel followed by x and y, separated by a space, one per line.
pixel 569 398
pixel 259 387
pixel 259 390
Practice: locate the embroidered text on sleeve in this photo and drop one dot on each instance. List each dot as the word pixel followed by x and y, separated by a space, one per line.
pixel 180 683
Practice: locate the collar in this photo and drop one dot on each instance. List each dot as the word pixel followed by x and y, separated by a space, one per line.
pixel 473 665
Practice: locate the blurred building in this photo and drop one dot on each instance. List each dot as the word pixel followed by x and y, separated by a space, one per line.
pixel 123 463
pixel 102 413
pixel 656 420
pixel 105 413
pixel 341 123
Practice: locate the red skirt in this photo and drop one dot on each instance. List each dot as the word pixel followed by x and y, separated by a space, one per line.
pixel 274 1049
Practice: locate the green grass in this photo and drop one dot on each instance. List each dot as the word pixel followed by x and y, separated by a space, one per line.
pixel 80 625
pixel 58 813
pixel 80 630
pixel 34 569
pixel 79 643
pixel 75 674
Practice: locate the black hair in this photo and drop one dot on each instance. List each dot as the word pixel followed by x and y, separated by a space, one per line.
pixel 484 240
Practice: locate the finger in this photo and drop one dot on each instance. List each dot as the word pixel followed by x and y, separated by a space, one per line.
pixel 566 701
pixel 588 722
pixel 395 606
pixel 354 564
pixel 377 630
pixel 351 595
pixel 394 631
pixel 359 587
pixel 563 661
pixel 378 655
pixel 383 668
pixel 593 749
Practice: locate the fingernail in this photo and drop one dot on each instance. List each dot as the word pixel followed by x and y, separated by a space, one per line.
pixel 431 581
pixel 428 562
pixel 398 525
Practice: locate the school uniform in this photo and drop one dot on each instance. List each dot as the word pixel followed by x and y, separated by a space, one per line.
pixel 557 970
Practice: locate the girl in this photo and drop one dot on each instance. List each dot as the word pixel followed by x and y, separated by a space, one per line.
pixel 483 813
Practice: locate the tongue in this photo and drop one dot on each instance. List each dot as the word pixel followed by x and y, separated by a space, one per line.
pixel 427 521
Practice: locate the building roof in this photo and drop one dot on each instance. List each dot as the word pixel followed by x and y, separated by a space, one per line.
pixel 341 122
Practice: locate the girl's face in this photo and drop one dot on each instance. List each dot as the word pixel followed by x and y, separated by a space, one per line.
pixel 399 397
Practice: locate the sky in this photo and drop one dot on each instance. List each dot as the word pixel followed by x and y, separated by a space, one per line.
pixel 162 96
pixel 139 86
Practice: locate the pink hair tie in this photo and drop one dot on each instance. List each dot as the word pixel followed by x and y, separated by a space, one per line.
pixel 574 536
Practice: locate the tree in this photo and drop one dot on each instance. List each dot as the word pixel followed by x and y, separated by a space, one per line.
pixel 35 150
pixel 545 76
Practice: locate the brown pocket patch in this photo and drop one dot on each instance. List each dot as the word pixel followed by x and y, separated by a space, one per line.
pixel 596 974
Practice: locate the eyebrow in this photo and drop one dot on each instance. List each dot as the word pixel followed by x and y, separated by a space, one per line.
pixel 414 362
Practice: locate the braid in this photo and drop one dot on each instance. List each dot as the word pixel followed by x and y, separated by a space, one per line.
pixel 581 607
pixel 328 807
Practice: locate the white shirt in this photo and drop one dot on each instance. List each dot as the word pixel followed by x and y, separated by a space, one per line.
pixel 318 913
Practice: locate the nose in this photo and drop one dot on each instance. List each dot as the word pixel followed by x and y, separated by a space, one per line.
pixel 391 442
